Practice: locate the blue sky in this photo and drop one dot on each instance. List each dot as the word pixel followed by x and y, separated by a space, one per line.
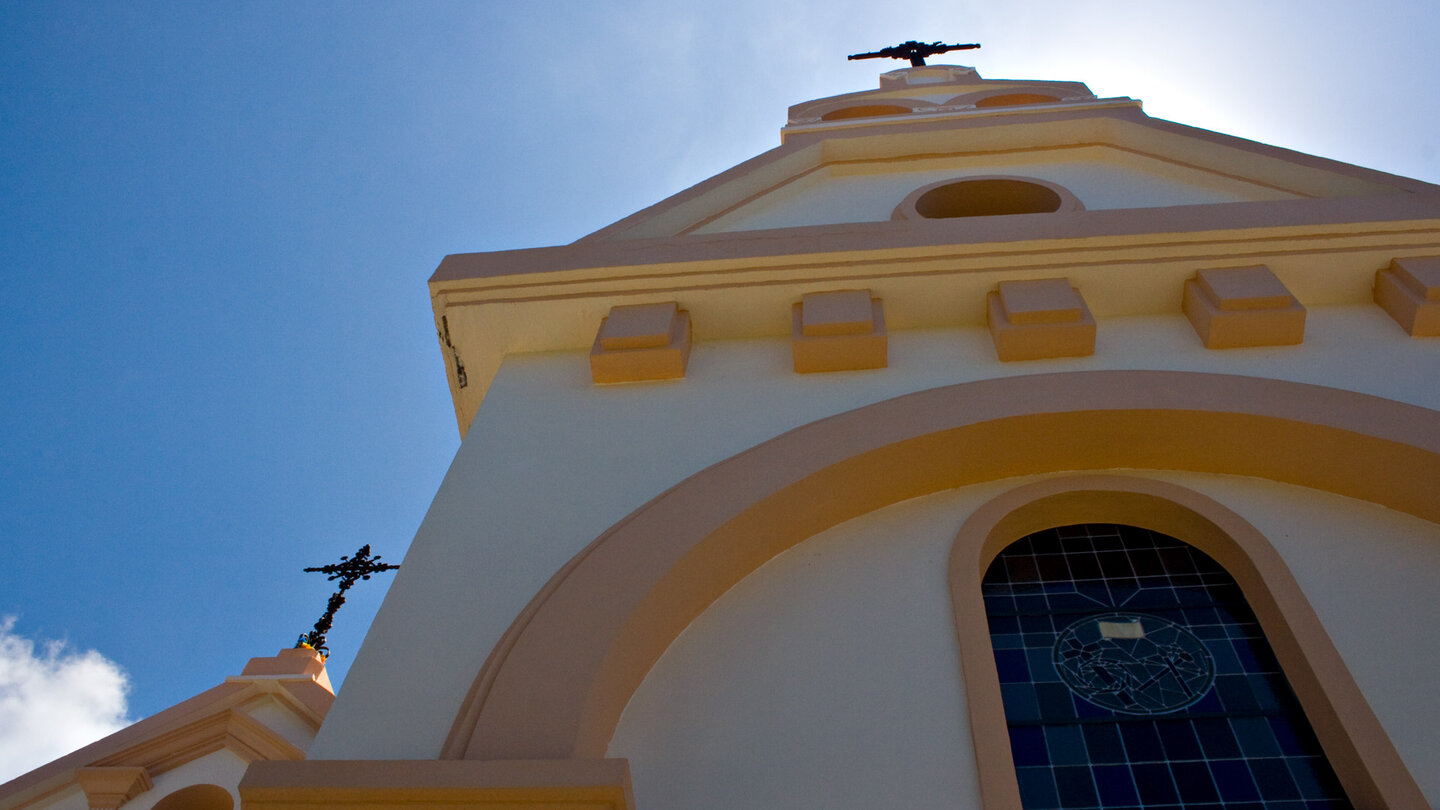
pixel 217 357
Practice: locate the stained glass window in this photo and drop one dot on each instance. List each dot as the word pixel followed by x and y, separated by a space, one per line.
pixel 1135 675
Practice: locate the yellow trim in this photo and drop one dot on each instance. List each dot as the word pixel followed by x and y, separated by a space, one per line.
pixel 593 784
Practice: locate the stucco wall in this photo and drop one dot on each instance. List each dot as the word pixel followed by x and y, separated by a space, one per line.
pixel 552 461
pixel 223 768
pixel 1100 177
pixel 828 677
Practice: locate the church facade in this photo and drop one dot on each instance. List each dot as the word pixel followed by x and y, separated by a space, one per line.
pixel 987 444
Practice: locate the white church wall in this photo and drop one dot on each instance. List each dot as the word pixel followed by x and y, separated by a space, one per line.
pixel 223 768
pixel 282 720
pixel 552 461
pixel 829 676
pixel 1100 177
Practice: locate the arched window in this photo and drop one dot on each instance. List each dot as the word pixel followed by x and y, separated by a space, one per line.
pixel 1134 674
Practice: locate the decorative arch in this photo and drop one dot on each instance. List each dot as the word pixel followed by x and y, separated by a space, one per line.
pixel 1358 748
pixel 556 684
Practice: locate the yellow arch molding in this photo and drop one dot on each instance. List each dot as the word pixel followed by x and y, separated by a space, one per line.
pixel 556 684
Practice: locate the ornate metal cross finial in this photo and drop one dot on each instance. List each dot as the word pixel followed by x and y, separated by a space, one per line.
pixel 349 571
pixel 914 51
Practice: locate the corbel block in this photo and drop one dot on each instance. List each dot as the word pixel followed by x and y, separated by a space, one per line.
pixel 108 788
pixel 1038 319
pixel 1409 290
pixel 838 331
pixel 641 342
pixel 1238 307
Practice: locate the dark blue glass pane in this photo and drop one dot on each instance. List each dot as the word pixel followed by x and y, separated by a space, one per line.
pixel 1103 743
pixel 1086 709
pixel 1273 778
pixel 1142 742
pixel 1076 787
pixel 1041 669
pixel 1178 739
pixel 1020 706
pixel 1007 641
pixel 1210 704
pixel 1036 624
pixel 1154 783
pixel 1067 746
pixel 1031 604
pixel 1003 624
pixel 1234 780
pixel 1223 651
pixel 1037 788
pixel 998 603
pixel 1043 543
pixel 1084 567
pixel 1192 780
pixel 1146 562
pixel 1021 568
pixel 1053 567
pixel 1027 746
pixel 1011 666
pixel 1056 703
pixel 1216 738
pixel 1256 738
pixel 1236 695
pixel 1115 786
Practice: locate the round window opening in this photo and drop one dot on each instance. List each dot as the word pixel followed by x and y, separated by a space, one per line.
pixel 987 198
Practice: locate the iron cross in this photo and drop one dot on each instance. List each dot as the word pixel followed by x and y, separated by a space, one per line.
pixel 914 51
pixel 349 571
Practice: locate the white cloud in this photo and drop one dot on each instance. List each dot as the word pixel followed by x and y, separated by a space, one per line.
pixel 53 700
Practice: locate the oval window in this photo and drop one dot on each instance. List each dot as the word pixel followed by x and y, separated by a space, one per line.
pixel 1012 99
pixel 864 111
pixel 987 198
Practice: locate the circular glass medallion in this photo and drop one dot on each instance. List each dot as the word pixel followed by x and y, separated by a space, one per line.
pixel 1133 663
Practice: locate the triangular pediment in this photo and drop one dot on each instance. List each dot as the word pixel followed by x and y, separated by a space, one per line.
pixel 855 158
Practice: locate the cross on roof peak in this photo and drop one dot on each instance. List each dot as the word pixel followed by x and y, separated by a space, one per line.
pixel 914 51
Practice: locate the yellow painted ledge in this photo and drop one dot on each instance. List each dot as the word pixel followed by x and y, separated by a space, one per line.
pixel 557 784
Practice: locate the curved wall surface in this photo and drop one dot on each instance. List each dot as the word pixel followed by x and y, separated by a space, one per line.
pixel 833 670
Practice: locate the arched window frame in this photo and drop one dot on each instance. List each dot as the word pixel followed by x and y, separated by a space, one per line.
pixel 1361 753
